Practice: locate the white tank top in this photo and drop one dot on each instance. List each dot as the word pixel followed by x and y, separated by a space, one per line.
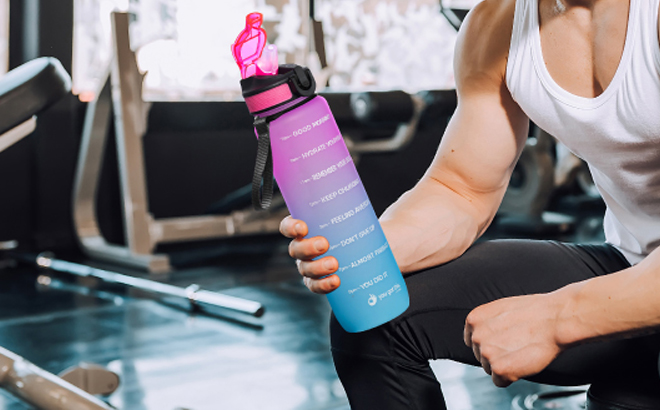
pixel 617 133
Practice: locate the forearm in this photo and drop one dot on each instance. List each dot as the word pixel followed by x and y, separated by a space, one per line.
pixel 621 304
pixel 433 224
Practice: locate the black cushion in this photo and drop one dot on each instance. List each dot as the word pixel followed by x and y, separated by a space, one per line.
pixel 382 107
pixel 29 89
pixel 637 395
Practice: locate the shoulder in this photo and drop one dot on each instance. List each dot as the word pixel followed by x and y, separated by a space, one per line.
pixel 482 46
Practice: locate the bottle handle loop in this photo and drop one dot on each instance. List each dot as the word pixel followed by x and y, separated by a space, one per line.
pixel 262 179
pixel 262 196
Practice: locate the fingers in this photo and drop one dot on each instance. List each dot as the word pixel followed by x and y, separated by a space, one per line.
pixel 322 286
pixel 481 358
pixel 318 276
pixel 486 366
pixel 501 377
pixel 317 273
pixel 319 268
pixel 470 341
pixel 467 333
pixel 293 228
pixel 308 248
pixel 500 381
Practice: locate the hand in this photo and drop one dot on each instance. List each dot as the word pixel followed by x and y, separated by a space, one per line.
pixel 317 274
pixel 514 337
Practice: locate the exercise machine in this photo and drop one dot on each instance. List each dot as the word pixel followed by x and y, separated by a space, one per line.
pixel 24 92
pixel 122 92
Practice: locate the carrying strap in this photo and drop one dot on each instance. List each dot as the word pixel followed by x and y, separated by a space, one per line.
pixel 263 167
pixel 262 179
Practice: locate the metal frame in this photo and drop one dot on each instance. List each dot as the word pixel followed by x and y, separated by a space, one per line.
pixel 17 133
pixel 41 388
pixel 403 135
pixel 142 231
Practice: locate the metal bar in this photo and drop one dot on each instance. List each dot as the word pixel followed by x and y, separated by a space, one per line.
pixel 451 17
pixel 403 136
pixel 17 133
pixel 42 389
pixel 195 296
pixel 192 228
pixel 90 158
pixel 169 230
pixel 88 169
pixel 98 248
pixel 130 126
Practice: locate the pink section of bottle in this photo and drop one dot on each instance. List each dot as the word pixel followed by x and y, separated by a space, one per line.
pixel 268 98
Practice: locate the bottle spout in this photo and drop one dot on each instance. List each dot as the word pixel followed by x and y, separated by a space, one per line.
pixel 248 49
pixel 267 64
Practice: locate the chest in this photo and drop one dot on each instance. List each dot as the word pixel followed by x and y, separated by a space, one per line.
pixel 582 47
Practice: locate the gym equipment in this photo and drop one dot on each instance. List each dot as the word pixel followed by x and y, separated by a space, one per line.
pixel 30 88
pixel 569 169
pixel 42 389
pixel 386 107
pixel 569 398
pixel 193 297
pixel 523 208
pixel 300 143
pixel 454 16
pixel 91 378
pixel 24 92
pixel 635 394
pixel 142 231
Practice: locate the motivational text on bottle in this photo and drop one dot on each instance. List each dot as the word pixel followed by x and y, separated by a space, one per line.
pixel 302 130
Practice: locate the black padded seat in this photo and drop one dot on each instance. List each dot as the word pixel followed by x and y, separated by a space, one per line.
pixel 29 89
pixel 637 395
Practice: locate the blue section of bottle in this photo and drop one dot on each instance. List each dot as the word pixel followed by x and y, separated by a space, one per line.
pixel 353 310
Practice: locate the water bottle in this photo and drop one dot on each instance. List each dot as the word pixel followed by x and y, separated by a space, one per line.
pixel 300 140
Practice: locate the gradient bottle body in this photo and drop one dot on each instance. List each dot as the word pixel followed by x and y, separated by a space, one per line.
pixel 320 185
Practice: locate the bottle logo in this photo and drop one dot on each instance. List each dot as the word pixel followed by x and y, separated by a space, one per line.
pixel 372 299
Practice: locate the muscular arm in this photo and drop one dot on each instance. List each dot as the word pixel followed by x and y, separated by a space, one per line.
pixel 520 336
pixel 621 304
pixel 457 198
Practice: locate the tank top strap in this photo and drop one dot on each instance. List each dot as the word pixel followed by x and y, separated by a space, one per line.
pixel 519 35
pixel 648 30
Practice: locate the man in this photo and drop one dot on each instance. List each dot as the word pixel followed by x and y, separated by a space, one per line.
pixel 588 72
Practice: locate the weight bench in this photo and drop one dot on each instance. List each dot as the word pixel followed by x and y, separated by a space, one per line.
pixel 26 91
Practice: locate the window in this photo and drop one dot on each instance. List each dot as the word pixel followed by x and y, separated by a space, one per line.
pixel 182 45
pixel 389 44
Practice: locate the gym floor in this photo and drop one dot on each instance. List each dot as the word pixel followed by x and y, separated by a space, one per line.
pixel 168 359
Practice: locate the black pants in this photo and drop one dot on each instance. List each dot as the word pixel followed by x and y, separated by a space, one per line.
pixel 387 367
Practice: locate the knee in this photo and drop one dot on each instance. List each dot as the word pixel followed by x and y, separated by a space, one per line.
pixel 374 342
pixel 391 341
